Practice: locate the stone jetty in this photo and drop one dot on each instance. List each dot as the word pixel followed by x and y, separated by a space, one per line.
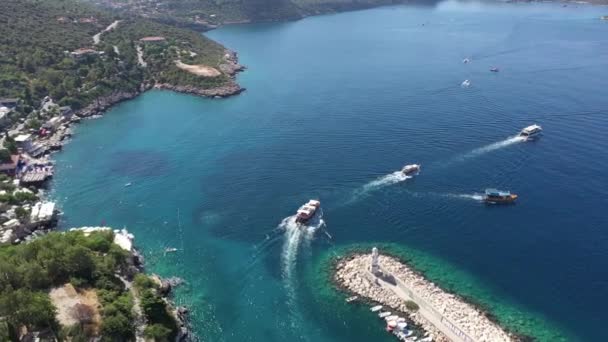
pixel 444 316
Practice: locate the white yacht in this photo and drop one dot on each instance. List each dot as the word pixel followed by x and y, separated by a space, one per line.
pixel 531 132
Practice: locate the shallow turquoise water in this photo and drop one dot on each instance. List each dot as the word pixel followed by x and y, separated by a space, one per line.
pixel 334 105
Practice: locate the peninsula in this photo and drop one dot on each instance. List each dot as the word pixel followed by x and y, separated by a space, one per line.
pixel 399 289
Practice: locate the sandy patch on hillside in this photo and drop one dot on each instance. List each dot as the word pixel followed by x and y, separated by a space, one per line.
pixel 199 69
pixel 67 301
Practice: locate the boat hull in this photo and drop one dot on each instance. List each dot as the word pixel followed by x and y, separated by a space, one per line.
pixel 501 200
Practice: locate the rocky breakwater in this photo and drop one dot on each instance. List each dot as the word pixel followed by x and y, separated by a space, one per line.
pixel 352 273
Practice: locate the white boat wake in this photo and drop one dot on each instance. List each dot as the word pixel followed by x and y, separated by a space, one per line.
pixel 386 180
pixel 295 235
pixel 492 147
pixel 391 178
pixel 475 197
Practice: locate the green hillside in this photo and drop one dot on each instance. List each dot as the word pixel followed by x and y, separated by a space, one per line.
pixel 39 38
pixel 204 14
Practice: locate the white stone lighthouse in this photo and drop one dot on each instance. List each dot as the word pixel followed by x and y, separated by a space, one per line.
pixel 375 267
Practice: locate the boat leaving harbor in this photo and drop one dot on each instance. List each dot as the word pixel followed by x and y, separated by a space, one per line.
pixel 531 132
pixel 411 169
pixel 307 211
pixel 494 196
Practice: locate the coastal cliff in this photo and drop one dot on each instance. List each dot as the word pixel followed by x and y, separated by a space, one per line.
pixel 86 284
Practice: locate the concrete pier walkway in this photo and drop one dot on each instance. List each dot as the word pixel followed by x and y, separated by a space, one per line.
pixel 390 282
pixel 449 329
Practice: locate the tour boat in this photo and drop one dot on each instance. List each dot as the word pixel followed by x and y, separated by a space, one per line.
pixel 307 211
pixel 531 132
pixel 494 69
pixel 499 197
pixel 411 169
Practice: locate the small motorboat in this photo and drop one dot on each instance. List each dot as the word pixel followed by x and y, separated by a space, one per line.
pixel 375 308
pixel 466 83
pixel 391 318
pixel 128 185
pixel 494 69
pixel 170 250
pixel 307 211
pixel 411 169
pixel 466 60
pixel 350 299
pixel 531 132
pixel 384 314
pixel 494 196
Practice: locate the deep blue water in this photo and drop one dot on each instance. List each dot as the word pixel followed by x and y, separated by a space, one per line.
pixel 334 104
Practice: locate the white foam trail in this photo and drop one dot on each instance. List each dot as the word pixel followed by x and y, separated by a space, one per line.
pixel 475 197
pixel 295 235
pixel 391 178
pixel 492 147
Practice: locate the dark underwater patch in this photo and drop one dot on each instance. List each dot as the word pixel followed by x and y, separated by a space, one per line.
pixel 140 163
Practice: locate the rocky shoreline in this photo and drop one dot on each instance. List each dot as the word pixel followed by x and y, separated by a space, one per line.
pixel 351 274
pixel 230 67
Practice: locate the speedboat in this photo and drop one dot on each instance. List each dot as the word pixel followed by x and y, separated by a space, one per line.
pixel 466 83
pixel 466 60
pixel 494 196
pixel 531 132
pixel 411 169
pixel 494 69
pixel 307 211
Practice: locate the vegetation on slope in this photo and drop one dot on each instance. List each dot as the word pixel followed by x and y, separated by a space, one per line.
pixel 209 13
pixel 39 35
pixel 30 270
pixel 91 263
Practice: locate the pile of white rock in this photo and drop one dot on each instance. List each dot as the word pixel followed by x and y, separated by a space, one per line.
pixel 351 273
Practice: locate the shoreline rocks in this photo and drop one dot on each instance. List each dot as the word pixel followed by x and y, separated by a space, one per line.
pixel 218 92
pixel 351 274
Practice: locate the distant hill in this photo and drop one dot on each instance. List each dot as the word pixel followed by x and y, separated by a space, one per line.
pixel 205 14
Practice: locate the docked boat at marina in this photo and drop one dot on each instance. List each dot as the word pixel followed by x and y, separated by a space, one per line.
pixel 531 132
pixel 384 314
pixel 495 196
pixel 411 169
pixel 307 211
pixel 375 308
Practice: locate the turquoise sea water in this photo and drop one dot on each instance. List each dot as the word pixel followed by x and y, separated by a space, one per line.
pixel 334 105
